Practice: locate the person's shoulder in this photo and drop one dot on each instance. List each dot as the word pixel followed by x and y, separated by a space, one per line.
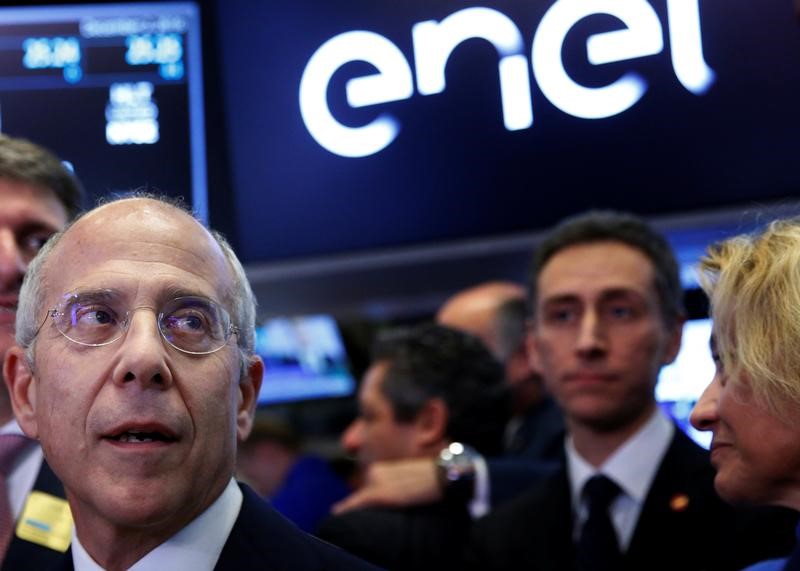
pixel 355 523
pixel 395 527
pixel 429 536
pixel 548 493
pixel 261 538
pixel 533 530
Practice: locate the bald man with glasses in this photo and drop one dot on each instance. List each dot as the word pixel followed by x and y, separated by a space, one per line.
pixel 135 367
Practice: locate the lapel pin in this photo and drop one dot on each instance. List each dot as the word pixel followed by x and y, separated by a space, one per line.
pixel 679 502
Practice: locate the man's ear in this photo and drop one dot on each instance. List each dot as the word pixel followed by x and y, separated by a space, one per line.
pixel 431 423
pixel 21 384
pixel 249 387
pixel 531 350
pixel 674 336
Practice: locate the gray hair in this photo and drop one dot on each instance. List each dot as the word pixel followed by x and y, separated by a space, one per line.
pixel 240 298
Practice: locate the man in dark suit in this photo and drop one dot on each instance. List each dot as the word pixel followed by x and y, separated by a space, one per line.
pixel 38 195
pixel 134 366
pixel 426 388
pixel 632 491
pixel 606 316
pixel 496 312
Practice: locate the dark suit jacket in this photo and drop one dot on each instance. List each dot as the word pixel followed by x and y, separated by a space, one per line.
pixel 535 531
pixel 23 555
pixel 264 540
pixel 430 537
pixel 540 434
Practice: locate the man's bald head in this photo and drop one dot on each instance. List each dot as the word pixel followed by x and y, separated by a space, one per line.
pixel 477 310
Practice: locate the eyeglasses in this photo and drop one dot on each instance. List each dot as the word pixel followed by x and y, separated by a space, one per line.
pixel 191 324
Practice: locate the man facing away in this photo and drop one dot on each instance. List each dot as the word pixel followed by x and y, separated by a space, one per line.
pixel 496 312
pixel 134 367
pixel 38 195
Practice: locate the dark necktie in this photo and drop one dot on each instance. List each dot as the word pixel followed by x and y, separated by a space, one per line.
pixel 598 547
pixel 10 447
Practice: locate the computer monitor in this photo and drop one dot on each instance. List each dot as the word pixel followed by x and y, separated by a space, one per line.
pixel 304 358
pixel 681 383
pixel 114 89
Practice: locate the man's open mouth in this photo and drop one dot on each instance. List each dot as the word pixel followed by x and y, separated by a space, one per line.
pixel 141 436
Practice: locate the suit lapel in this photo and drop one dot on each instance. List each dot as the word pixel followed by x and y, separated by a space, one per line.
pixel 670 509
pixel 23 554
pixel 551 547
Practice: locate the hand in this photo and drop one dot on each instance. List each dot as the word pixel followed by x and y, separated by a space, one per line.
pixel 396 483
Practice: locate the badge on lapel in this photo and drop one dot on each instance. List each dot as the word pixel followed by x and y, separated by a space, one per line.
pixel 679 502
pixel 46 520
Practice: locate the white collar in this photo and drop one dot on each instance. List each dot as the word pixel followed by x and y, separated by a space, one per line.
pixel 632 466
pixel 197 546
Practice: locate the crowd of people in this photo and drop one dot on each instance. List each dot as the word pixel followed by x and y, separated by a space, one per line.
pixel 519 429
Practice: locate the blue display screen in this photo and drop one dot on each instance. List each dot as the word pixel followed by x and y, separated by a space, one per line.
pixel 681 383
pixel 304 359
pixel 115 90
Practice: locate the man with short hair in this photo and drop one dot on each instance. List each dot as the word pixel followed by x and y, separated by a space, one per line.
pixel 38 195
pixel 634 491
pixel 135 368
pixel 496 312
pixel 426 388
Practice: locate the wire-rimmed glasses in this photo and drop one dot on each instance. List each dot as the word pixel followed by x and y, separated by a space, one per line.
pixel 191 324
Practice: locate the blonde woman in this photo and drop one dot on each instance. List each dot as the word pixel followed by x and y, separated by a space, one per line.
pixel 752 406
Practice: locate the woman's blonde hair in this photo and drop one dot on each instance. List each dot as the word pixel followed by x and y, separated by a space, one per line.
pixel 753 284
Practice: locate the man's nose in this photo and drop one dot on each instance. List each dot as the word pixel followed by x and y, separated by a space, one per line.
pixel 142 353
pixel 352 437
pixel 591 340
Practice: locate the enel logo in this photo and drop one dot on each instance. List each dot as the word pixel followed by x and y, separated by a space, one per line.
pixel 433 42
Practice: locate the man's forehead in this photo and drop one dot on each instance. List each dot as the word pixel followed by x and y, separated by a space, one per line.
pixel 120 239
pixel 596 269
pixel 145 220
pixel 24 203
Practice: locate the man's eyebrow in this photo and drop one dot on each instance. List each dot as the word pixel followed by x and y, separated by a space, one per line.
pixel 561 298
pixel 34 226
pixel 616 293
pixel 173 291
pixel 91 295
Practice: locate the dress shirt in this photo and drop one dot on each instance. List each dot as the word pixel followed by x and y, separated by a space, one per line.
pixel 197 546
pixel 632 467
pixel 22 478
pixel 481 502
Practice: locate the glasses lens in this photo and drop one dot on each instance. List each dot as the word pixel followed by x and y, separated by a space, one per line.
pixel 89 319
pixel 195 324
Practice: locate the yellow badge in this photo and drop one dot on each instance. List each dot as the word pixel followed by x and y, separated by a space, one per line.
pixel 46 520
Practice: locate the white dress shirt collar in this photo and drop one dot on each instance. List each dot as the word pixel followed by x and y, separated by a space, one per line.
pixel 632 467
pixel 197 546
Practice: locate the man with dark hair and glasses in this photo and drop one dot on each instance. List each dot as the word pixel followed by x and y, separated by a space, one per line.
pixel 38 196
pixel 135 368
